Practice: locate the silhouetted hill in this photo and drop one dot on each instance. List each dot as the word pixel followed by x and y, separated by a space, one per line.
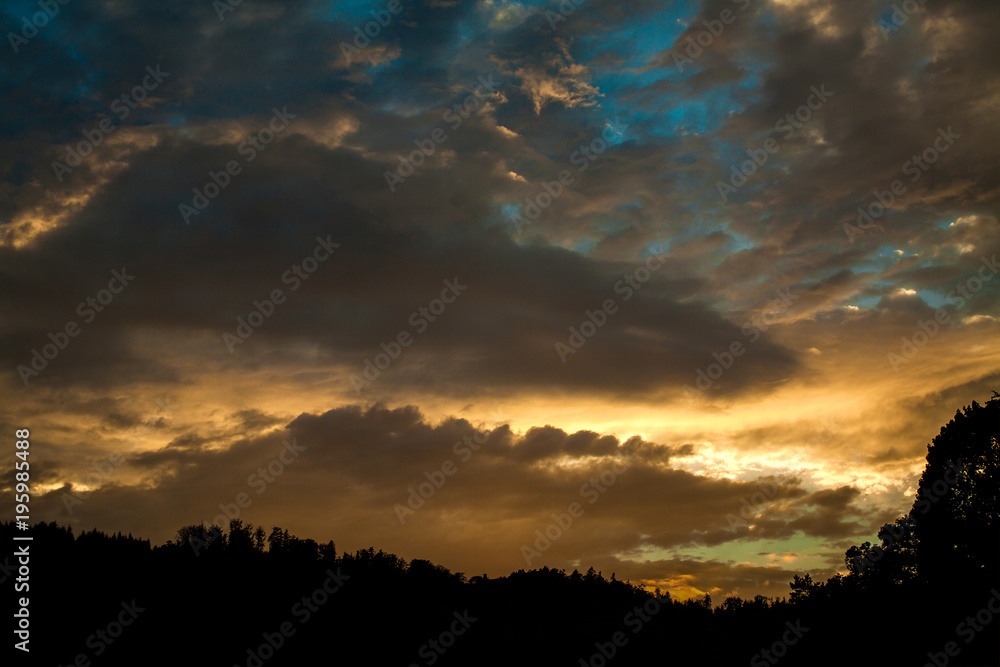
pixel 240 597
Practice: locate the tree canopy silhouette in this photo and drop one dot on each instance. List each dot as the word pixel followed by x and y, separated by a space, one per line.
pixel 241 585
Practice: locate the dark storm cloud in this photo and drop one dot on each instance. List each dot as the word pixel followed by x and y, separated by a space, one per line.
pixel 371 458
pixel 652 190
pixel 520 301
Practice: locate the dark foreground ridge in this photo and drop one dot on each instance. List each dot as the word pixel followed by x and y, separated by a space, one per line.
pixel 928 595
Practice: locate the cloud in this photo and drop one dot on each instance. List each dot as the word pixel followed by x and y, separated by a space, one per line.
pixel 504 485
pixel 844 423
pixel 558 80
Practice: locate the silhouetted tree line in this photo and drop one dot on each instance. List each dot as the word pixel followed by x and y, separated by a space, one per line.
pixel 221 597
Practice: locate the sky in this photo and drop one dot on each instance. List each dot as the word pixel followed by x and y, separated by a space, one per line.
pixel 677 290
